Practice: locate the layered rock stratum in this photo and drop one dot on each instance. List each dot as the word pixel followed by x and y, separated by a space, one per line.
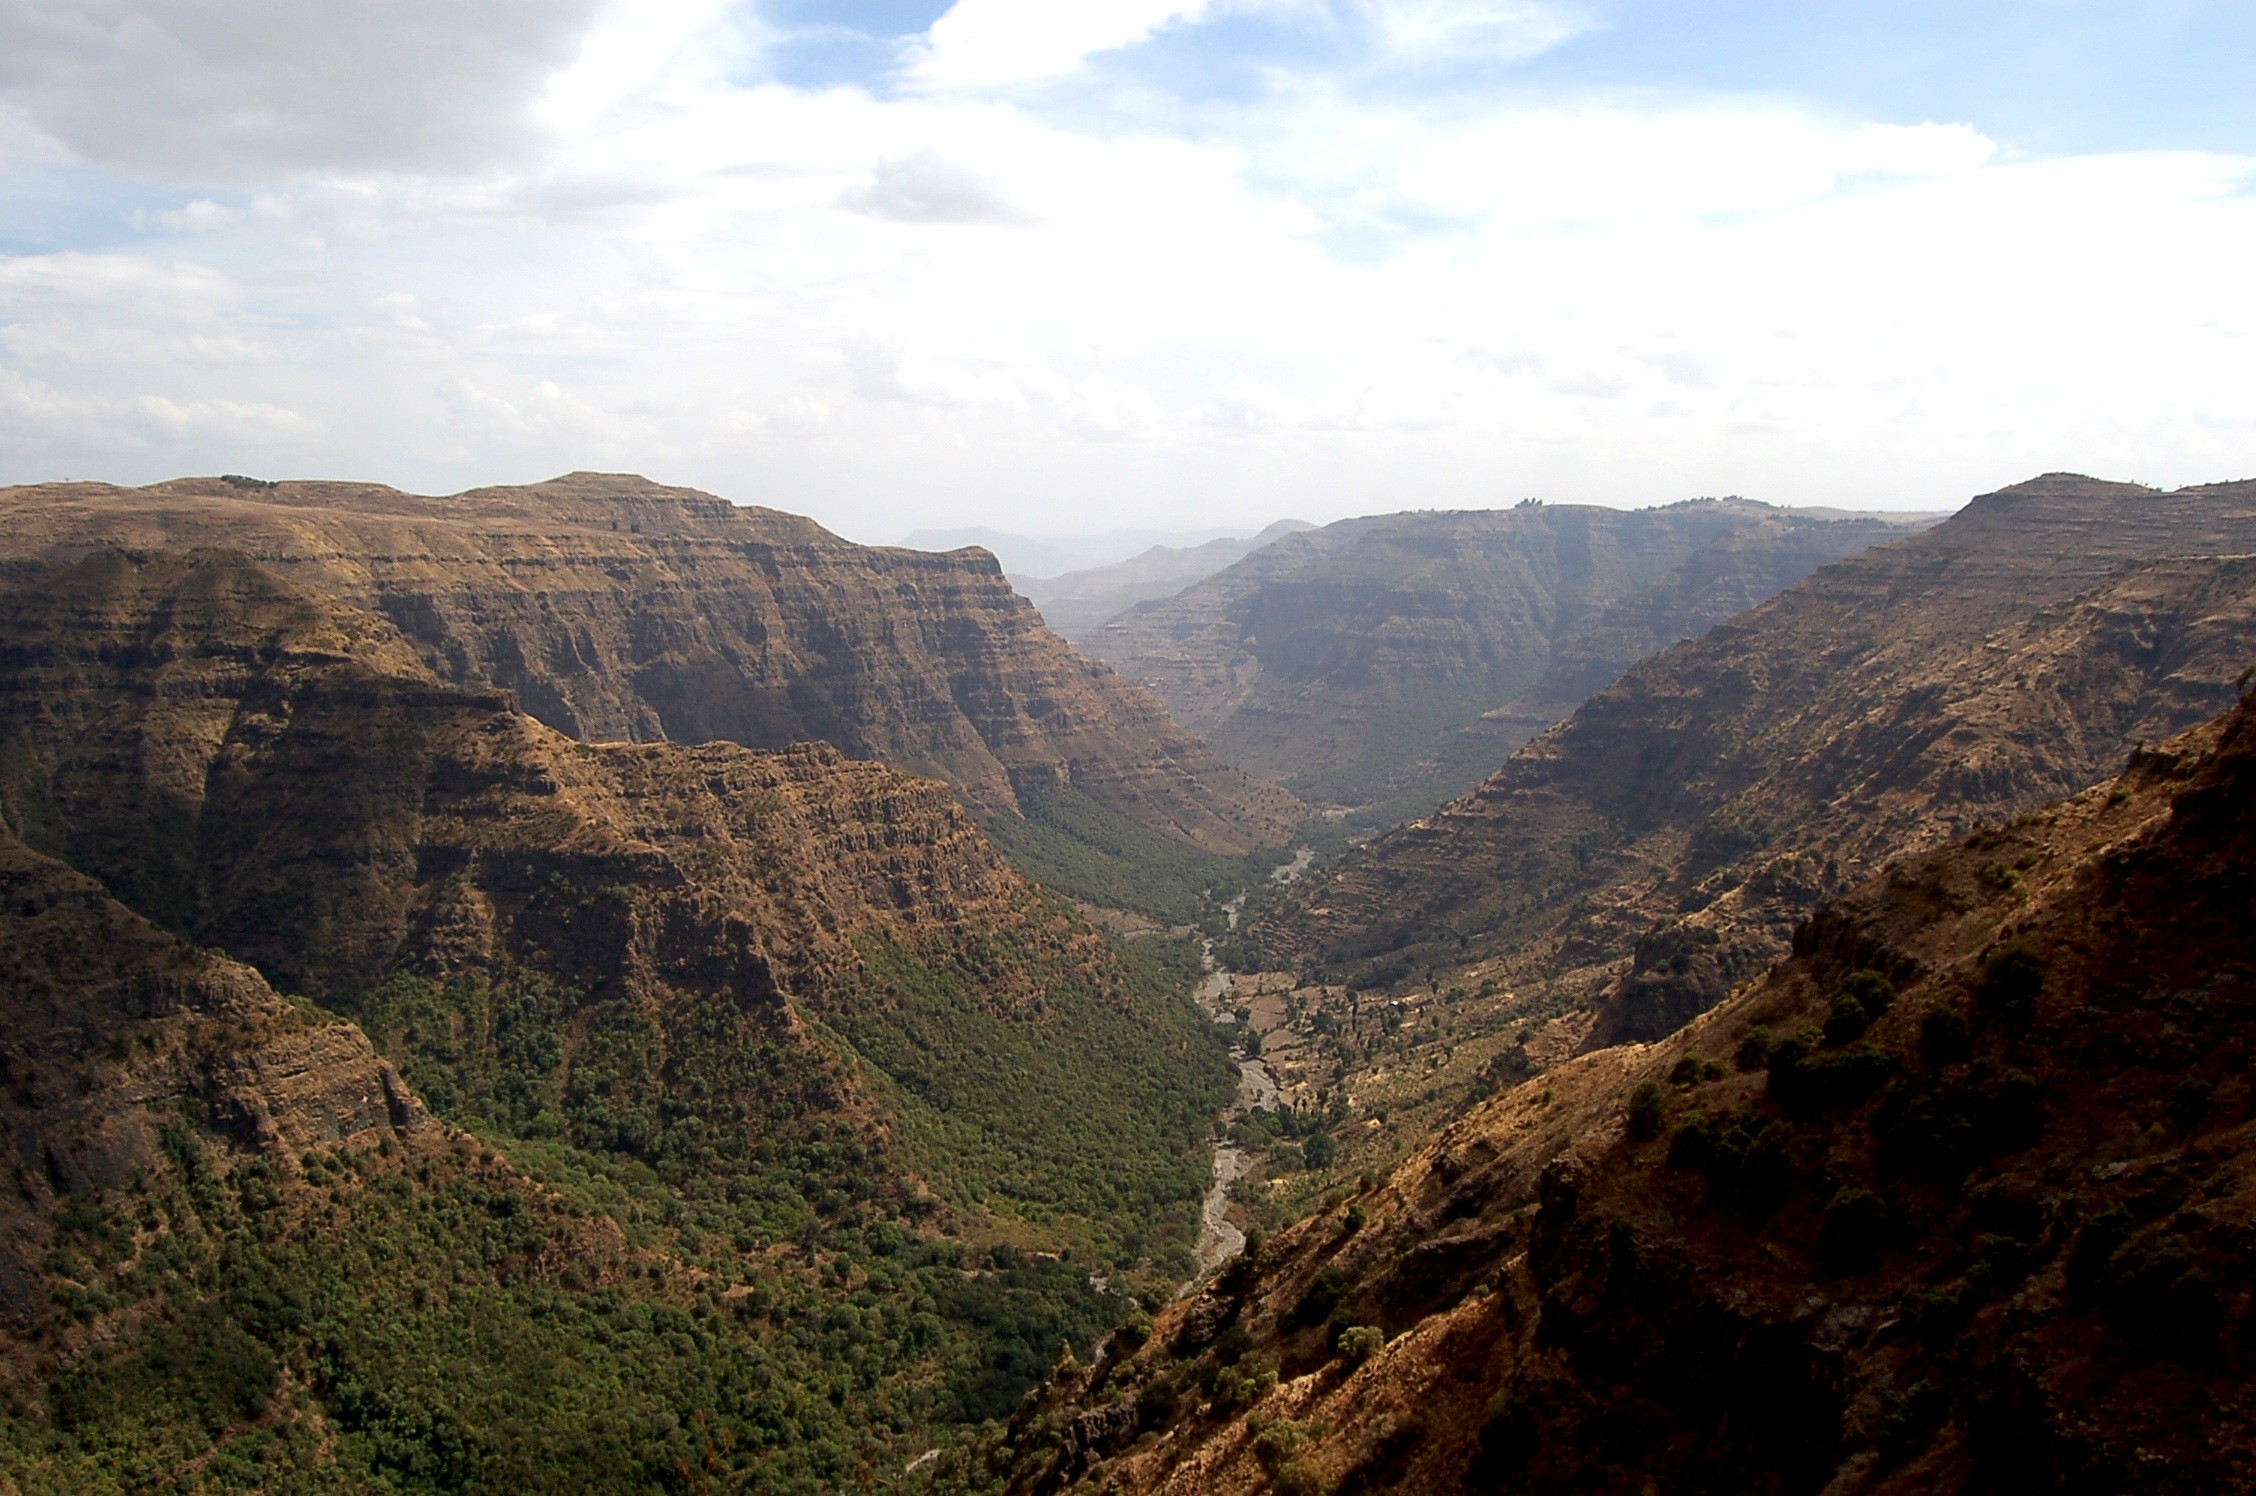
pixel 1658 845
pixel 620 610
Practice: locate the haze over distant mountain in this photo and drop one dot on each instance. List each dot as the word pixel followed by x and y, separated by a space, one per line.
pixel 1054 555
pixel 1956 1198
pixel 1078 603
pixel 620 609
pixel 1659 845
pixel 1389 662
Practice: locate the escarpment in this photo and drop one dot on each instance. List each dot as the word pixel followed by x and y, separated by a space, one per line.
pixel 770 944
pixel 1958 1197
pixel 1657 847
pixel 620 610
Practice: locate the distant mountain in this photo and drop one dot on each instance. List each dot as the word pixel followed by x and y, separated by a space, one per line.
pixel 1079 602
pixel 1387 663
pixel 762 1039
pixel 1955 1199
pixel 1659 845
pixel 621 610
pixel 1054 555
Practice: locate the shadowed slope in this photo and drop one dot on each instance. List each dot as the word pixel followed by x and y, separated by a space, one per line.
pixel 1971 1211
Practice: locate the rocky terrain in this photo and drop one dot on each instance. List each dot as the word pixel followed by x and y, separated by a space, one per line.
pixel 1659 845
pixel 1385 664
pixel 1957 1197
pixel 748 1007
pixel 1077 603
pixel 619 610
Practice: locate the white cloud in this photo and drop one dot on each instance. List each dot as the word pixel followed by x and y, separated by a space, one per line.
pixel 946 303
pixel 1430 31
pixel 988 43
pixel 230 90
pixel 925 187
pixel 224 417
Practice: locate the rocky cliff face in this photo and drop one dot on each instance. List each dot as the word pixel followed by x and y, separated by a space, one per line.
pixel 779 1033
pixel 620 610
pixel 1658 846
pixel 1956 1198
pixel 1389 662
pixel 281 777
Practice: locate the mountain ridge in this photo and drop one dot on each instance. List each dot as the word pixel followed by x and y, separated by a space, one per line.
pixel 1386 663
pixel 2009 655
pixel 621 610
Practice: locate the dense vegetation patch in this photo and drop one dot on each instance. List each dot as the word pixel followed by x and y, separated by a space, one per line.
pixel 1080 848
pixel 420 1319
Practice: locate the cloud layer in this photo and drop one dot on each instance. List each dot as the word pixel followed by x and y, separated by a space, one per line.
pixel 1016 274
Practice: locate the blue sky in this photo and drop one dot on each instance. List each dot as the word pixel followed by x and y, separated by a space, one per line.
pixel 2054 76
pixel 1127 262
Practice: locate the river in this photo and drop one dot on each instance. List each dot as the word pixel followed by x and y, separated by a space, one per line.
pixel 1219 1241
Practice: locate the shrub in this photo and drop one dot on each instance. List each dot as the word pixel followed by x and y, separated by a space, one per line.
pixel 1320 1151
pixel 1359 1343
pixel 1943 1130
pixel 1280 1440
pixel 1155 1406
pixel 1806 1087
pixel 1648 1108
pixel 1245 1384
pixel 1754 1050
pixel 2159 1298
pixel 1744 1157
pixel 1857 1004
pixel 1845 1022
pixel 1319 1299
pixel 2102 1235
pixel 1691 1145
pixel 2012 978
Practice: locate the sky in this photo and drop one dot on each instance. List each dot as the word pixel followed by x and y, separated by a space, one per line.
pixel 1072 265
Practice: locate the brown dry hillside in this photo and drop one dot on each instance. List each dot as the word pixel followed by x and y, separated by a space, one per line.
pixel 1659 845
pixel 1387 663
pixel 1960 1197
pixel 621 610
